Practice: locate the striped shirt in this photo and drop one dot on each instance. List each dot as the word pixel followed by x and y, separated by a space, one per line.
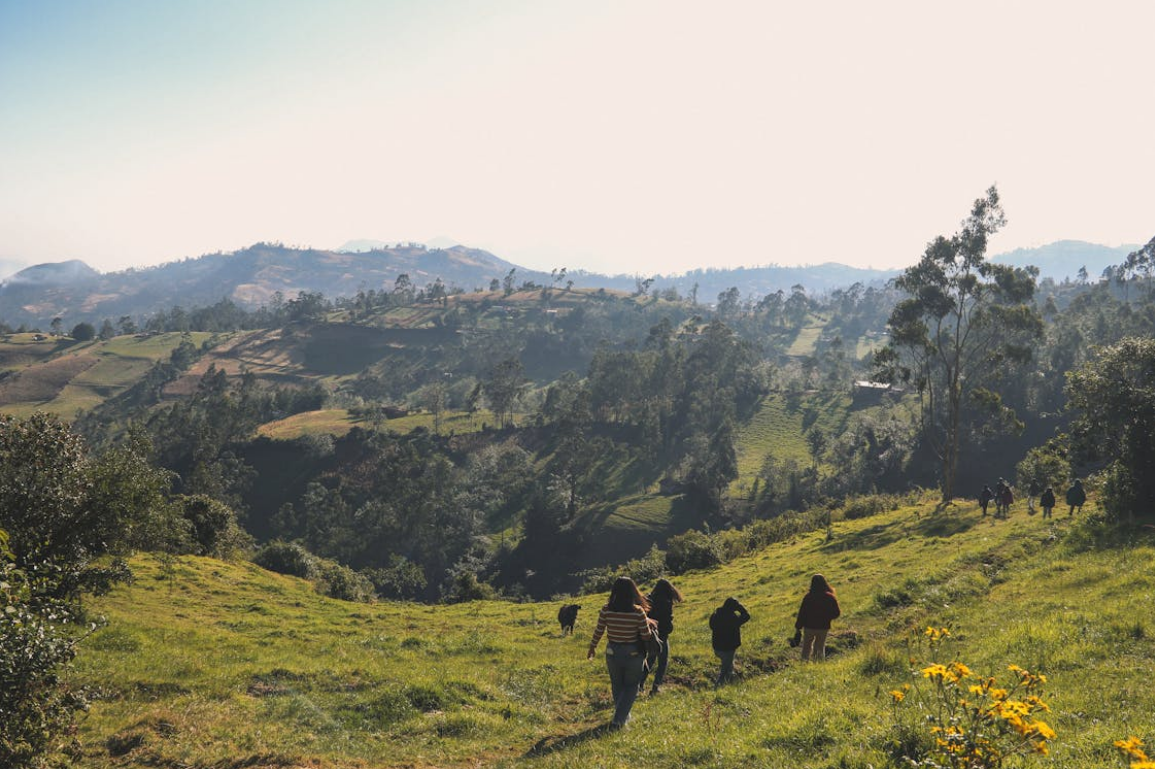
pixel 620 627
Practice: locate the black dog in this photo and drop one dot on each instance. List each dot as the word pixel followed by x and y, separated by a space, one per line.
pixel 567 616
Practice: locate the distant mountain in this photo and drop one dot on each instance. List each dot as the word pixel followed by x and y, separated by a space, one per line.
pixel 1064 258
pixel 250 277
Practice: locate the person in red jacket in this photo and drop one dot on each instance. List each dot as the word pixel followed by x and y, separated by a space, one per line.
pixel 819 607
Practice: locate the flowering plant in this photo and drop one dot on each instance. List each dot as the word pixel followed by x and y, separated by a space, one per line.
pixel 974 722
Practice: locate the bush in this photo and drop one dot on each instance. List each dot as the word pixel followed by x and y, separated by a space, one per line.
pixel 342 583
pixel 692 550
pixel 215 531
pixel 286 558
pixel 83 332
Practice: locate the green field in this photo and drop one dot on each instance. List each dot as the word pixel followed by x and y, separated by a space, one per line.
pixel 224 665
pixel 64 377
pixel 806 339
pixel 777 429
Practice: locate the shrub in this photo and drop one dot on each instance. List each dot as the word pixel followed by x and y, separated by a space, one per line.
pixel 692 550
pixel 286 558
pixel 215 530
pixel 341 582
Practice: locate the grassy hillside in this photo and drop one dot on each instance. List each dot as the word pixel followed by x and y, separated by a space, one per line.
pixel 224 665
pixel 63 376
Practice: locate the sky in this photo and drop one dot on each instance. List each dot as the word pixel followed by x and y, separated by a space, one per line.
pixel 628 136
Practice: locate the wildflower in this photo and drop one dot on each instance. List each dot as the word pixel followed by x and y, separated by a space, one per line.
pixel 898 695
pixel 1044 731
pixel 1132 746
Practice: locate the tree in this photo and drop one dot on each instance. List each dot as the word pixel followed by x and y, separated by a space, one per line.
pixel 1113 398
pixel 964 320
pixel 503 386
pixel 56 326
pixel 106 330
pixel 61 512
pixel 83 332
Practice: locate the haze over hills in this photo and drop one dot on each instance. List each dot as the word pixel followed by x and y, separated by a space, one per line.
pixel 253 276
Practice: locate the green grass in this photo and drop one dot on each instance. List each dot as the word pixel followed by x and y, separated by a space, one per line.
pixel 777 429
pixel 807 337
pixel 226 665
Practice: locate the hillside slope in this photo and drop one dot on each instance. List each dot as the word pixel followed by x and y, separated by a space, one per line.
pixel 224 665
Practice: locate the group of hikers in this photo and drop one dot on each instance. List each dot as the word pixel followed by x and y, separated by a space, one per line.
pixel 637 628
pixel 1004 496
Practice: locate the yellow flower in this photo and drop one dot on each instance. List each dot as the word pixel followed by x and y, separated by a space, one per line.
pixel 898 695
pixel 1045 731
pixel 1132 746
pixel 959 669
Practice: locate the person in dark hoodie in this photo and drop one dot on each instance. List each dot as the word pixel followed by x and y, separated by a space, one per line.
pixel 726 627
pixel 819 607
pixel 662 599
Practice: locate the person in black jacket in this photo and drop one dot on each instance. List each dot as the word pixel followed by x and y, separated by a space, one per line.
pixel 726 627
pixel 1047 502
pixel 662 600
pixel 985 498
pixel 1076 497
pixel 819 607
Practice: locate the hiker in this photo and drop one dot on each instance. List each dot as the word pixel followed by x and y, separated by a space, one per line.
pixel 662 599
pixel 1007 498
pixel 1076 497
pixel 726 630
pixel 819 607
pixel 1004 497
pixel 1047 502
pixel 623 621
pixel 985 498
pixel 1033 492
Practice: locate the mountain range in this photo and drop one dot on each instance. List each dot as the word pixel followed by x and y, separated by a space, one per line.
pixel 253 276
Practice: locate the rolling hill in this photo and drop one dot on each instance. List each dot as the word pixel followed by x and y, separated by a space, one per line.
pixel 212 664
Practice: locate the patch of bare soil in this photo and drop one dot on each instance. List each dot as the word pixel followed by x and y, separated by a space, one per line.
pixel 43 381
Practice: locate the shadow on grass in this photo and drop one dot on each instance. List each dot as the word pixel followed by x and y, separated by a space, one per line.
pixel 940 524
pixel 552 744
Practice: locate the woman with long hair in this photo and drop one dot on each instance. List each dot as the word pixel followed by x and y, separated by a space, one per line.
pixel 819 607
pixel 624 623
pixel 662 599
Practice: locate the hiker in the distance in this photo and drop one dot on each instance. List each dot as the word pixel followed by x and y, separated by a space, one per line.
pixel 623 621
pixel 1047 502
pixel 1076 497
pixel 726 630
pixel 1004 498
pixel 985 498
pixel 819 607
pixel 662 599
pixel 1033 491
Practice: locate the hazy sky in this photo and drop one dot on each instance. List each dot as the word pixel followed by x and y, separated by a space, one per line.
pixel 625 136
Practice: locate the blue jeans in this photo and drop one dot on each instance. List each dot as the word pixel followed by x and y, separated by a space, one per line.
pixel 726 672
pixel 624 662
